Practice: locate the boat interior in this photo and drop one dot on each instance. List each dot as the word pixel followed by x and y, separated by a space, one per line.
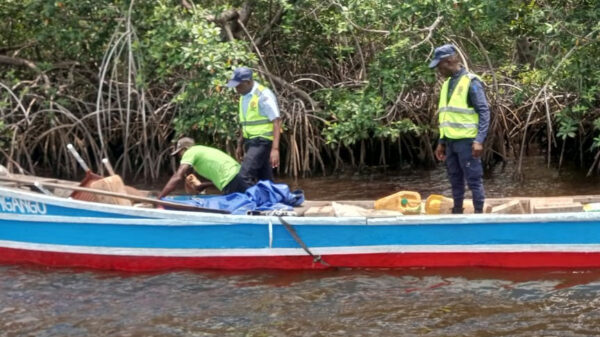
pixel 112 190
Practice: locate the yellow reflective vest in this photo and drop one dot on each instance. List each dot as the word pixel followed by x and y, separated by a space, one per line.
pixel 456 118
pixel 253 123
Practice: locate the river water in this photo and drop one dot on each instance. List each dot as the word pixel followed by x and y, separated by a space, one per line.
pixel 38 301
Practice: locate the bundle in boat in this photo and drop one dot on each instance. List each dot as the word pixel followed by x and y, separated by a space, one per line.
pixel 113 183
pixel 345 210
pixel 90 177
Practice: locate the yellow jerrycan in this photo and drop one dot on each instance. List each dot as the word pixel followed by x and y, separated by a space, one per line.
pixel 407 202
pixel 438 204
pixel 191 184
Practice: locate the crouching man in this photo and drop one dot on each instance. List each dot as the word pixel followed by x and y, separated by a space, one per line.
pixel 220 169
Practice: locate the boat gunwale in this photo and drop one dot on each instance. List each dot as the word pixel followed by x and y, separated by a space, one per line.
pixel 185 218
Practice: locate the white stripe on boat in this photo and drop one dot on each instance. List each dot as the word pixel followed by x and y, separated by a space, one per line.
pixel 193 252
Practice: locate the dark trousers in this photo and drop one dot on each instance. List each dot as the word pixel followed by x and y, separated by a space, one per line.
pixel 236 185
pixel 461 166
pixel 256 164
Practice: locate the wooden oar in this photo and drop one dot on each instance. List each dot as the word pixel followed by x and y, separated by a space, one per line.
pixel 78 157
pixel 89 178
pixel 169 204
pixel 108 166
pixel 41 188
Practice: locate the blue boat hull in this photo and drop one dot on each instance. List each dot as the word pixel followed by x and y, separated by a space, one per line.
pixel 69 233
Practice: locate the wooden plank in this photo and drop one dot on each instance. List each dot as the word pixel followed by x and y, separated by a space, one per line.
pixel 369 204
pixel 584 199
pixel 511 207
pixel 526 203
pixel 544 205
pixel 308 204
pixel 32 179
pixel 319 211
pixel 558 208
pixel 360 203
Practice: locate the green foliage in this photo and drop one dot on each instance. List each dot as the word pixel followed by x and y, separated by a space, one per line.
pixel 5 133
pixel 183 47
pixel 62 30
pixel 567 124
pixel 364 61
pixel 356 118
pixel 596 140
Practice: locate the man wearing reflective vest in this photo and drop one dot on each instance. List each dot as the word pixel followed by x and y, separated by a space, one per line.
pixel 464 116
pixel 260 123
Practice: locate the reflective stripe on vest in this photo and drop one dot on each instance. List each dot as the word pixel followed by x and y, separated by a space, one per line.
pixel 253 123
pixel 457 120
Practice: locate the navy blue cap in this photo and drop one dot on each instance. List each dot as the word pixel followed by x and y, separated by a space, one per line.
pixel 441 53
pixel 239 74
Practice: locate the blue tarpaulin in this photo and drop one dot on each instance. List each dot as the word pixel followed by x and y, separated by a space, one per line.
pixel 264 196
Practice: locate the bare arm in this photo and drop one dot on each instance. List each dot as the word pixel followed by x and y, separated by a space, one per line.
pixel 204 186
pixel 239 151
pixel 275 146
pixel 176 178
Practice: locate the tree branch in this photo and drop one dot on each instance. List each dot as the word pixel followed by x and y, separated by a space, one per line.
pixel 291 87
pixel 385 32
pixel 266 29
pixel 429 30
pixel 17 61
pixel 187 5
pixel 519 172
pixel 223 17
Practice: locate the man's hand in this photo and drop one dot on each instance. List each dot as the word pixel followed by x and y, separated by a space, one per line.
pixel 201 188
pixel 239 153
pixel 440 152
pixel 274 158
pixel 477 149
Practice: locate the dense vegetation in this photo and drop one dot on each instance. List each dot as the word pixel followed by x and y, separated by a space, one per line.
pixel 123 79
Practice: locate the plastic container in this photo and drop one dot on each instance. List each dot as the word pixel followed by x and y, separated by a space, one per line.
pixel 592 207
pixel 407 202
pixel 438 204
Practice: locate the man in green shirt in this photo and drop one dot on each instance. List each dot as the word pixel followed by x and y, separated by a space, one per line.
pixel 217 167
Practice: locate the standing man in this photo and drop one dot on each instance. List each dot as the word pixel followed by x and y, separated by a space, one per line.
pixel 464 118
pixel 260 123
pixel 217 167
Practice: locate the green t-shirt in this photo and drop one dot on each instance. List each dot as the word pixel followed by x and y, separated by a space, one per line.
pixel 214 165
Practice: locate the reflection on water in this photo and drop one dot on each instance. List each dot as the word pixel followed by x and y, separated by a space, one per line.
pixel 406 302
pixel 413 302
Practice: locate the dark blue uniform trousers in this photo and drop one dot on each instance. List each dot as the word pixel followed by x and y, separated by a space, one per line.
pixel 461 166
pixel 256 164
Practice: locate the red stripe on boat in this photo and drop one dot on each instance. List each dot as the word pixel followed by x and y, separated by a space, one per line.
pixel 376 260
